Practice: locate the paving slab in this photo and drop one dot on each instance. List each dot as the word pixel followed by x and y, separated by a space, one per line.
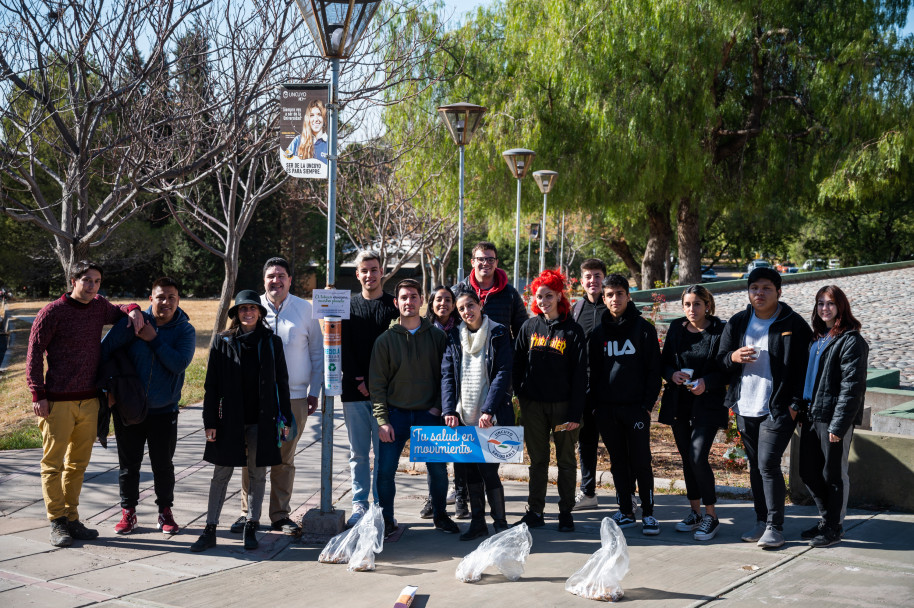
pixel 57 564
pixel 38 597
pixel 15 546
pixel 122 579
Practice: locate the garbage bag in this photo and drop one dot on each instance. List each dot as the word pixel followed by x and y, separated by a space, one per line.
pixel 601 577
pixel 507 551
pixel 357 545
pixel 370 540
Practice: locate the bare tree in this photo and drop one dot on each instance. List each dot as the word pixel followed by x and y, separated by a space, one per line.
pixel 84 117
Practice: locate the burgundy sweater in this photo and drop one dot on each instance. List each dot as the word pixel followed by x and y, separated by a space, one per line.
pixel 70 333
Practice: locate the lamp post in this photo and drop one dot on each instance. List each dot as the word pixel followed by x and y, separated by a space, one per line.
pixel 545 180
pixel 336 26
pixel 562 250
pixel 462 120
pixel 518 160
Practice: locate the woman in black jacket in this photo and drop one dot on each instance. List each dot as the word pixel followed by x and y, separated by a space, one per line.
pixel 550 381
pixel 246 411
pixel 693 402
pixel 476 391
pixel 833 400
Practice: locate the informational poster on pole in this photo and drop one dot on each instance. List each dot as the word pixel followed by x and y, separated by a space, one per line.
pixel 495 444
pixel 330 302
pixel 303 141
pixel 333 356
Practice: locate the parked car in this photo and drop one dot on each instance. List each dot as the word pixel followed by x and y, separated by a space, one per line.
pixel 757 264
pixel 708 275
pixel 787 268
pixel 814 264
pixel 834 263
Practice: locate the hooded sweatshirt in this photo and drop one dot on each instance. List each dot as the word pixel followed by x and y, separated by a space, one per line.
pixel 624 362
pixel 405 369
pixel 501 302
pixel 160 363
pixel 550 363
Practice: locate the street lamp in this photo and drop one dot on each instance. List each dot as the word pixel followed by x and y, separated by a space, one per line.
pixel 545 180
pixel 336 26
pixel 462 120
pixel 518 160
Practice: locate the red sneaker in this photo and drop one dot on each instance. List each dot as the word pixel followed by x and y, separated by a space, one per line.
pixel 167 522
pixel 127 523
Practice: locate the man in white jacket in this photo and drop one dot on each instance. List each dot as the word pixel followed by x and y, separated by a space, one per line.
pixel 292 320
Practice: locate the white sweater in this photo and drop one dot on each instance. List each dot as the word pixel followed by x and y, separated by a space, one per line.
pixel 303 344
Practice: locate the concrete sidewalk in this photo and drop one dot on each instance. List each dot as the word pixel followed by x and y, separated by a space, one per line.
pixel 873 566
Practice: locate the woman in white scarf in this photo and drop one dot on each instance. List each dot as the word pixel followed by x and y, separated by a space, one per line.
pixel 476 391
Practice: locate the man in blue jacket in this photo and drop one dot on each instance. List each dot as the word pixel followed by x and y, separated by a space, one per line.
pixel 160 353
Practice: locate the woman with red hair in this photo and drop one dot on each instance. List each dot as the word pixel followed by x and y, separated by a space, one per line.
pixel 550 381
pixel 833 400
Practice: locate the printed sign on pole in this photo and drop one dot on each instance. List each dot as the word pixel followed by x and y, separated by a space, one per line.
pixel 333 359
pixel 303 142
pixel 330 302
pixel 495 444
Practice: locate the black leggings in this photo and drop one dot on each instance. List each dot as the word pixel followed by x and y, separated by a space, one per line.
pixel 694 445
pixel 479 472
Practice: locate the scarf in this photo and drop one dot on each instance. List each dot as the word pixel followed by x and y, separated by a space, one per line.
pixel 474 379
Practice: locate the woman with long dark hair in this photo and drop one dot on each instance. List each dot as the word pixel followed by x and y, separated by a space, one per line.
pixel 246 411
pixel 833 400
pixel 693 403
pixel 476 391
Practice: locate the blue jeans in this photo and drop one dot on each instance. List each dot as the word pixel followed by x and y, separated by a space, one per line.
pixel 362 428
pixel 389 458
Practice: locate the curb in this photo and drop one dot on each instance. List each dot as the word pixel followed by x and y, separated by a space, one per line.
pixel 519 472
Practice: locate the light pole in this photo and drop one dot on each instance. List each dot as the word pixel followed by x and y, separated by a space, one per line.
pixel 545 179
pixel 462 120
pixel 562 249
pixel 336 26
pixel 518 160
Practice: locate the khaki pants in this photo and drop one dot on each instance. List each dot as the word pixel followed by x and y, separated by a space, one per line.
pixel 67 435
pixel 282 476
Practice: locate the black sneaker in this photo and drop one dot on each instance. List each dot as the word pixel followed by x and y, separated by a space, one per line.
pixel 461 510
pixel 390 528
pixel 829 536
pixel 207 540
pixel 813 532
pixel 60 532
pixel 427 511
pixel 566 522
pixel 238 526
pixel 80 532
pixel 707 529
pixel 286 526
pixel 250 535
pixel 533 520
pixel 446 524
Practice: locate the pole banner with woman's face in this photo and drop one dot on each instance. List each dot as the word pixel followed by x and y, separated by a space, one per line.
pixel 303 141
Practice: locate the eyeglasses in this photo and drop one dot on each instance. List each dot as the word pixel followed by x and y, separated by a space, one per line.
pixel 485 260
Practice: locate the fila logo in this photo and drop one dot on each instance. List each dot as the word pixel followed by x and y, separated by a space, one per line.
pixel 613 348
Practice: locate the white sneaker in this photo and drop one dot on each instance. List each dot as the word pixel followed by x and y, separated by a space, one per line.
pixel 689 523
pixel 635 504
pixel 452 496
pixel 358 511
pixel 583 501
pixel 755 533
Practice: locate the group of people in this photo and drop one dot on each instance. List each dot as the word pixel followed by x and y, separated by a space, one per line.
pixel 579 373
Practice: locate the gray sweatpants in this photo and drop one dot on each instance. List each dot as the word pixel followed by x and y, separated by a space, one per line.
pixel 257 478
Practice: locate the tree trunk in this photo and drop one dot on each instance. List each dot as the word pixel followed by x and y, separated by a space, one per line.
pixel 620 247
pixel 69 253
pixel 688 242
pixel 228 291
pixel 426 288
pixel 658 244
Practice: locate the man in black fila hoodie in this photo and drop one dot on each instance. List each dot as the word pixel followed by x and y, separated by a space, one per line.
pixel 624 356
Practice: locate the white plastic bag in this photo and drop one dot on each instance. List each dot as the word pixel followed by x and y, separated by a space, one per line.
pixel 507 551
pixel 370 540
pixel 357 545
pixel 601 577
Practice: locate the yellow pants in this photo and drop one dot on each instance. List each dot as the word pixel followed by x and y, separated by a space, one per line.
pixel 67 436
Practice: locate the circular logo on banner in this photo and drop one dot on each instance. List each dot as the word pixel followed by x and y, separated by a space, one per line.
pixel 504 443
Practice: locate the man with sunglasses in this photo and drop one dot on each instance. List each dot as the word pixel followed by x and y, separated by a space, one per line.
pixel 500 301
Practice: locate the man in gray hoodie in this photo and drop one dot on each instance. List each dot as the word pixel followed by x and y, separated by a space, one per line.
pixel 404 381
pixel 160 352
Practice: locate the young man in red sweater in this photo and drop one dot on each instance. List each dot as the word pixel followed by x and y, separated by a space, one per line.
pixel 69 331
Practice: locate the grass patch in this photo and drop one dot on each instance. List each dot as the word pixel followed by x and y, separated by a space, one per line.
pixel 25 437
